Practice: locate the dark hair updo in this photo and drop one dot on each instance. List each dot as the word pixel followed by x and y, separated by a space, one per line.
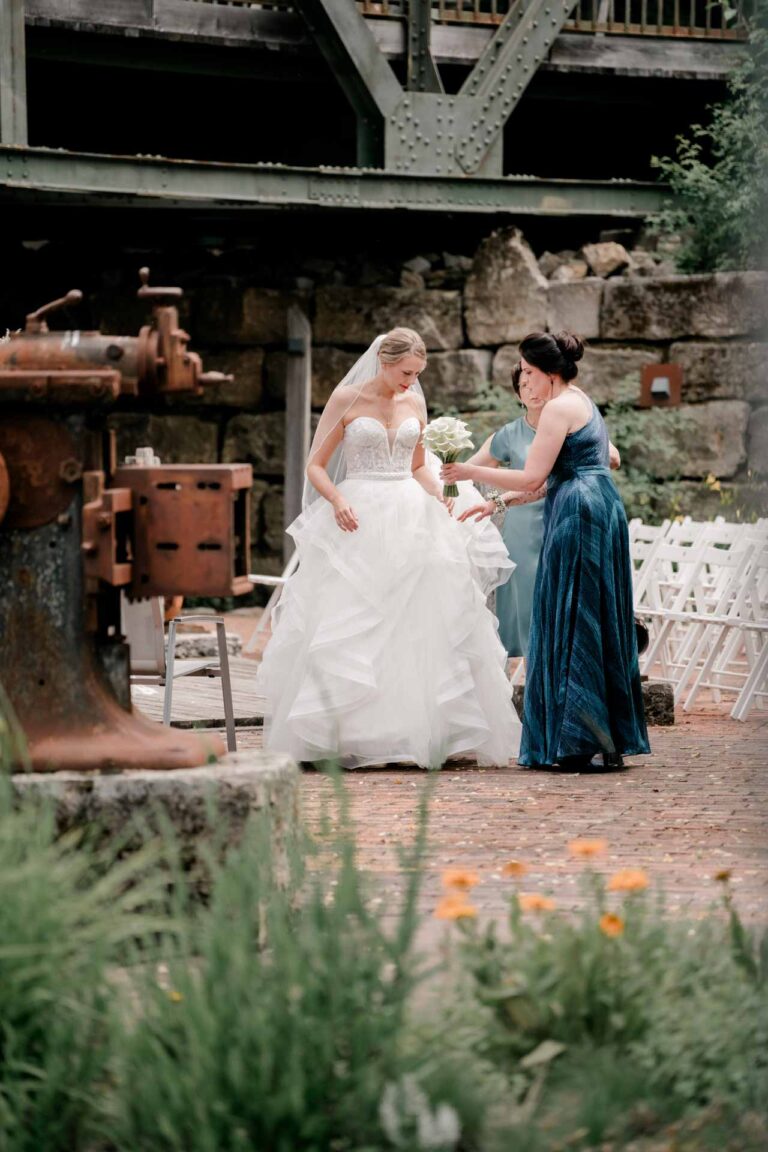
pixel 556 355
pixel 516 373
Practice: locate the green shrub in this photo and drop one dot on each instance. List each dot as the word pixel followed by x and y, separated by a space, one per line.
pixel 719 176
pixel 678 1007
pixel 292 1016
pixel 67 914
pixel 282 1023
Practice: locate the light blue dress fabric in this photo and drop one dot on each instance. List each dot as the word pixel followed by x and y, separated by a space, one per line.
pixel 523 532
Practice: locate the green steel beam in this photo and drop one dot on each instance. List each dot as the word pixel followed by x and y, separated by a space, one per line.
pixel 504 71
pixel 360 67
pixel 422 74
pixel 13 73
pixel 40 175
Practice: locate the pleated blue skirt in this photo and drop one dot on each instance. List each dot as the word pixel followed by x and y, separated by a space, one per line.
pixel 583 694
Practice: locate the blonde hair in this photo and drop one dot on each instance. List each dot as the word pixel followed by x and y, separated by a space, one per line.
pixel 401 342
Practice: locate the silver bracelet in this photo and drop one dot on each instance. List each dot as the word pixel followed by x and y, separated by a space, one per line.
pixel 498 500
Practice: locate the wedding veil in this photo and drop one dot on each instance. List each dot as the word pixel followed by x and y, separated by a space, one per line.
pixel 345 394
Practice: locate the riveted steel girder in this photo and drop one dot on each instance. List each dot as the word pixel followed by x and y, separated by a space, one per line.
pixel 424 134
pixel 37 175
pixel 13 73
pixel 422 74
pixel 423 130
pixel 505 70
pixel 462 134
pixel 361 68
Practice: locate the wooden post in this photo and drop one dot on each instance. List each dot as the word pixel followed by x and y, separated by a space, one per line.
pixel 298 393
pixel 13 74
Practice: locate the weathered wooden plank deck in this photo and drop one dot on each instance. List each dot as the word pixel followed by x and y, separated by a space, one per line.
pixel 197 699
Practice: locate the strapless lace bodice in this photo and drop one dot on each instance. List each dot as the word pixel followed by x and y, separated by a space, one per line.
pixel 371 450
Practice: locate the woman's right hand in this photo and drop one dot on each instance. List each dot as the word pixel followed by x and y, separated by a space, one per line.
pixel 479 512
pixel 344 515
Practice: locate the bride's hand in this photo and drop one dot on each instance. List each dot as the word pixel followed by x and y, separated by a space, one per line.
pixel 450 473
pixel 449 502
pixel 479 512
pixel 345 516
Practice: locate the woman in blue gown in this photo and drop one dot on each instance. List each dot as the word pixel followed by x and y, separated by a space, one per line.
pixel 523 525
pixel 583 693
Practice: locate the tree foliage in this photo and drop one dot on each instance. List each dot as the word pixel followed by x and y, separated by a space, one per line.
pixel 719 176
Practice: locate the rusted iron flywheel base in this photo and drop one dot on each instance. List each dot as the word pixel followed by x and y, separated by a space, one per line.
pixel 113 740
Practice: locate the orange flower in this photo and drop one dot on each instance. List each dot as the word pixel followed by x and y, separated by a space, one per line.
pixel 611 924
pixel 459 878
pixel 455 906
pixel 628 880
pixel 533 902
pixel 723 876
pixel 587 847
pixel 514 868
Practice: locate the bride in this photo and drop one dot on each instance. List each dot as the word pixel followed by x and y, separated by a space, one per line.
pixel 383 649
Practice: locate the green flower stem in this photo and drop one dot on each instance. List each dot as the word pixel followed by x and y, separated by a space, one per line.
pixel 450 491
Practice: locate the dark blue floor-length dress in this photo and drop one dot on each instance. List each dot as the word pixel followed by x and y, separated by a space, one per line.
pixel 582 692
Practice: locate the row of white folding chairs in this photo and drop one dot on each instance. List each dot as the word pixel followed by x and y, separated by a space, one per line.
pixel 703 589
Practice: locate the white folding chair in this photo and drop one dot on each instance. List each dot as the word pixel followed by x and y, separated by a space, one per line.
pixel 737 658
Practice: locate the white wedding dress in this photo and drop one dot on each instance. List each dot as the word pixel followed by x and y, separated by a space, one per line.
pixel 383 649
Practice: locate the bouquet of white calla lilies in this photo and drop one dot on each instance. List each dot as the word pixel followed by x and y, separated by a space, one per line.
pixel 447 437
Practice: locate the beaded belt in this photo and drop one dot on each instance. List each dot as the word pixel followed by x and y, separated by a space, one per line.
pixel 379 475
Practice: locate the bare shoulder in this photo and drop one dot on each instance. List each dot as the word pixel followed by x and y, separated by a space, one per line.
pixel 573 407
pixel 556 413
pixel 338 403
pixel 413 405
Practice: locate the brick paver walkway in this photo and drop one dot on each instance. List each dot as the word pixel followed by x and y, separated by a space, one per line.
pixel 697 805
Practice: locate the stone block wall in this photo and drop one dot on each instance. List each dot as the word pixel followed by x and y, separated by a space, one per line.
pixel 707 457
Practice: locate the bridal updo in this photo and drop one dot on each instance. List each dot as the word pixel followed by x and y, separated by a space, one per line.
pixel 556 355
pixel 401 342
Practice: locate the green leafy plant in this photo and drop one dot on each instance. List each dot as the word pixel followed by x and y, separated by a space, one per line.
pixel 281 1021
pixel 68 914
pixel 644 495
pixel 719 175
pixel 669 1014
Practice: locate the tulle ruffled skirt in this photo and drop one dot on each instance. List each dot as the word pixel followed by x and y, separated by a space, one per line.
pixel 383 649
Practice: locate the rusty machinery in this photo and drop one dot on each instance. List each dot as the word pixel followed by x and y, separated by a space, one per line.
pixel 76 530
